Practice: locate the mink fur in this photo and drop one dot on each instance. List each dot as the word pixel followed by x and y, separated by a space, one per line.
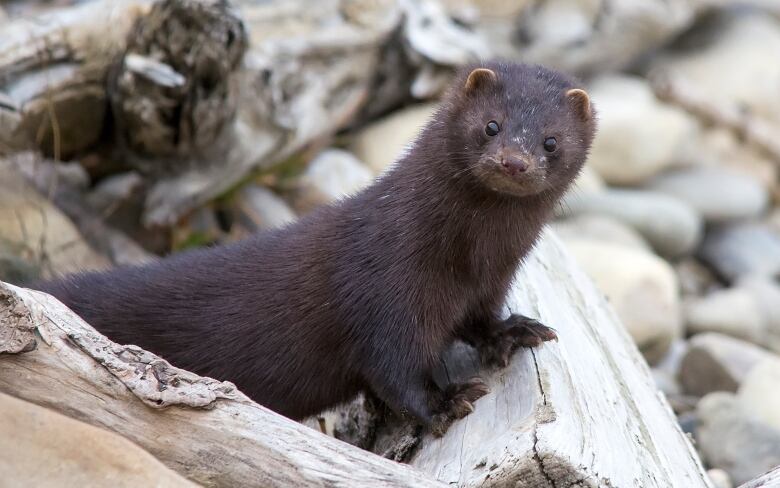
pixel 368 292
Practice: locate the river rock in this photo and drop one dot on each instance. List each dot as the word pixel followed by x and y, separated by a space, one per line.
pixel 642 288
pixel 600 228
pixel 333 174
pixel 638 135
pixel 588 181
pixel 258 208
pixel 45 449
pixel 742 249
pixel 695 278
pixel 759 393
pixel 380 143
pixel 13 267
pixel 717 362
pixel 44 236
pixel 728 63
pixel 732 311
pixel 733 440
pixel 717 193
pixel 766 293
pixel 720 478
pixel 671 226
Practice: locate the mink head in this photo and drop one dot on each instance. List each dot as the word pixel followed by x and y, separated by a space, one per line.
pixel 518 129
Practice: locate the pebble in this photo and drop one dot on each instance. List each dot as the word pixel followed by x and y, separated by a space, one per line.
pixel 732 311
pixel 32 225
pixel 741 42
pixel 638 135
pixel 740 249
pixel 331 175
pixel 718 193
pixel 258 208
pixel 732 440
pixel 720 478
pixel 717 362
pixel 381 142
pixel 766 293
pixel 671 226
pixel 759 393
pixel 588 181
pixel 14 268
pixel 641 286
pixel 45 449
pixel 600 228
pixel 695 278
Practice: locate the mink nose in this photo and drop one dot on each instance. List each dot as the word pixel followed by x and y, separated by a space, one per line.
pixel 514 165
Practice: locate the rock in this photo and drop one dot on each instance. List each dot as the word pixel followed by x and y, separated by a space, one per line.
pixel 759 393
pixel 665 382
pixel 671 226
pixel 45 449
pixel 719 194
pixel 15 269
pixel 666 374
pixel 766 293
pixel 638 136
pixel 742 249
pixel 741 42
pixel 695 278
pixel 599 228
pixel 641 287
pixel 732 440
pixel 331 175
pixel 720 478
pixel 380 143
pixel 114 190
pixel 258 208
pixel 585 37
pixel 720 147
pixel 717 362
pixel 199 229
pixel 732 311
pixel 688 421
pixel 588 181
pixel 31 224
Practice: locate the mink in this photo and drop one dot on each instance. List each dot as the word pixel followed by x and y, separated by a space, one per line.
pixel 366 294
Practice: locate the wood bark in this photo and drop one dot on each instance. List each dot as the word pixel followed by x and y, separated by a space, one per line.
pixel 767 480
pixel 580 412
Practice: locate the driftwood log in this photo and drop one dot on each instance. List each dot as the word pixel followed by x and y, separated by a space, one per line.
pixel 580 412
pixel 767 480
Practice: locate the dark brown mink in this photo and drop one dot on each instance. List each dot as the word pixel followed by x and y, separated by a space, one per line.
pixel 368 292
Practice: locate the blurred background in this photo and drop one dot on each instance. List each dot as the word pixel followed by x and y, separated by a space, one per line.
pixel 133 129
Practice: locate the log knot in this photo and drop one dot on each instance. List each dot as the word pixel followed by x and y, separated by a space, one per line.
pixel 173 93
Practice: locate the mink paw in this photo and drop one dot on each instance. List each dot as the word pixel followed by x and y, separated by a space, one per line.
pixel 517 331
pixel 458 402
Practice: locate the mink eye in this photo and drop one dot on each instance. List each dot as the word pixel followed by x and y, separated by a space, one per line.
pixel 492 128
pixel 550 144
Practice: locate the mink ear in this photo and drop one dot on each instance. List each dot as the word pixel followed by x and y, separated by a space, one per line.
pixel 479 78
pixel 580 101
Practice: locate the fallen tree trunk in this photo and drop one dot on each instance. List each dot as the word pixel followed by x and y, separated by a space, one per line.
pixel 580 412
pixel 766 480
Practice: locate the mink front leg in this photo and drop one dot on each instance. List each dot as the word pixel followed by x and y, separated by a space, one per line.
pixel 497 340
pixel 409 388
